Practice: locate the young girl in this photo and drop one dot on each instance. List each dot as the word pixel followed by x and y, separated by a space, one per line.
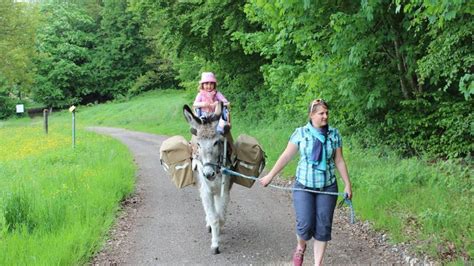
pixel 208 98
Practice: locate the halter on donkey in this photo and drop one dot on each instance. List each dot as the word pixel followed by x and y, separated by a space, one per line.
pixel 208 158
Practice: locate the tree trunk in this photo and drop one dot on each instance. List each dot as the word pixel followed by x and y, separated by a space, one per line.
pixel 401 69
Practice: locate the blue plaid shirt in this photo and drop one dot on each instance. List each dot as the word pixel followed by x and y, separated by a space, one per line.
pixel 306 172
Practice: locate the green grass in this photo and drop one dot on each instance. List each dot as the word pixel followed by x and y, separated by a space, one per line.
pixel 153 112
pixel 57 203
pixel 427 205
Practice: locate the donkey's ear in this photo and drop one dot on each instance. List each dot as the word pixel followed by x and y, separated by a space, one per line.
pixel 190 117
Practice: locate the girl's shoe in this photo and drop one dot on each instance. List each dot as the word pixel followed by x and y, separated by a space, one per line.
pixel 221 126
pixel 226 129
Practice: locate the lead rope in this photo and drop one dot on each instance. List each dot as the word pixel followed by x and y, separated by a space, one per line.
pixel 346 200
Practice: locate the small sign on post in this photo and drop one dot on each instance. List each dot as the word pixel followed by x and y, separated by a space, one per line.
pixel 20 109
pixel 72 109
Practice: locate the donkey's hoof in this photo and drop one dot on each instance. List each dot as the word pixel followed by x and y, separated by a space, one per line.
pixel 215 251
pixel 209 229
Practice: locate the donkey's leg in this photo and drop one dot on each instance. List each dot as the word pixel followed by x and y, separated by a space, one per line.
pixel 207 202
pixel 222 201
pixel 212 219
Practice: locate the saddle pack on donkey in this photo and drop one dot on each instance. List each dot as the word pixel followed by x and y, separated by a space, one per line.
pixel 249 159
pixel 175 156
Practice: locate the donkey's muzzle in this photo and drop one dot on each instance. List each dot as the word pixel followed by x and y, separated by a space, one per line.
pixel 210 171
pixel 211 177
pixel 209 174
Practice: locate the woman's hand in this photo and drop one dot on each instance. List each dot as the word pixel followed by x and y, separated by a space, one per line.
pixel 341 167
pixel 264 181
pixel 285 157
pixel 348 191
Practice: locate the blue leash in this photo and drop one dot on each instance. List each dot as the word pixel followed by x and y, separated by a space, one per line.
pixel 227 171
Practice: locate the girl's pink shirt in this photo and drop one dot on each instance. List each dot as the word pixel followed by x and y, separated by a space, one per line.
pixel 209 97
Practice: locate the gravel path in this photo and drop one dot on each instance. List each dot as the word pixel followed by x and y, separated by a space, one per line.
pixel 163 225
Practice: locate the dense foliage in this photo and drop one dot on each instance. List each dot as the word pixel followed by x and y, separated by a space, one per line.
pixel 396 73
pixel 65 43
pixel 80 52
pixel 17 34
pixel 92 53
pixel 120 56
pixel 198 36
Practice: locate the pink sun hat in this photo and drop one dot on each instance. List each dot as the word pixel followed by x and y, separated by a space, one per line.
pixel 207 77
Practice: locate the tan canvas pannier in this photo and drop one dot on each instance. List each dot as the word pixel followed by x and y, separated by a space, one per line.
pixel 175 156
pixel 250 159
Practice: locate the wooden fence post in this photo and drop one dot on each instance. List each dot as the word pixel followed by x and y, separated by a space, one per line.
pixel 45 116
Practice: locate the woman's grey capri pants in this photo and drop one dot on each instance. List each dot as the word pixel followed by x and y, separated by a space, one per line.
pixel 314 212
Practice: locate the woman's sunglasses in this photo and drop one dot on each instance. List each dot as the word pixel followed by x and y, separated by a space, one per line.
pixel 316 103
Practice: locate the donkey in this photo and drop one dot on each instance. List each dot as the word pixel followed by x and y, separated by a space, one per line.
pixel 208 157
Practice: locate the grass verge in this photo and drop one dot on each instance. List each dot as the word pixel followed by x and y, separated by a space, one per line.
pixel 57 203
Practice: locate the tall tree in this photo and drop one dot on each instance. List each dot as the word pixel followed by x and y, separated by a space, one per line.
pixel 65 43
pixel 18 23
pixel 120 56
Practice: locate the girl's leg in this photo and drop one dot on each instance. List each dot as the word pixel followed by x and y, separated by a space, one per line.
pixel 198 112
pixel 226 118
pixel 319 248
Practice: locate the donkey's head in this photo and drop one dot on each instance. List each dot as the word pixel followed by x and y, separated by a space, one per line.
pixel 210 144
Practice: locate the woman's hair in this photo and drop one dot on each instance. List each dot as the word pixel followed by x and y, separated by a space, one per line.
pixel 314 105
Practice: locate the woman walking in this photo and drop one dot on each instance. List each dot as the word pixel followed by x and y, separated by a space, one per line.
pixel 320 148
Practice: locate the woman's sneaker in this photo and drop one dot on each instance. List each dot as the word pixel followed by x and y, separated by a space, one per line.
pixel 298 257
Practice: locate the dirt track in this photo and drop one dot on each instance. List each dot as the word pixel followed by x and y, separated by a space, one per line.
pixel 162 225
